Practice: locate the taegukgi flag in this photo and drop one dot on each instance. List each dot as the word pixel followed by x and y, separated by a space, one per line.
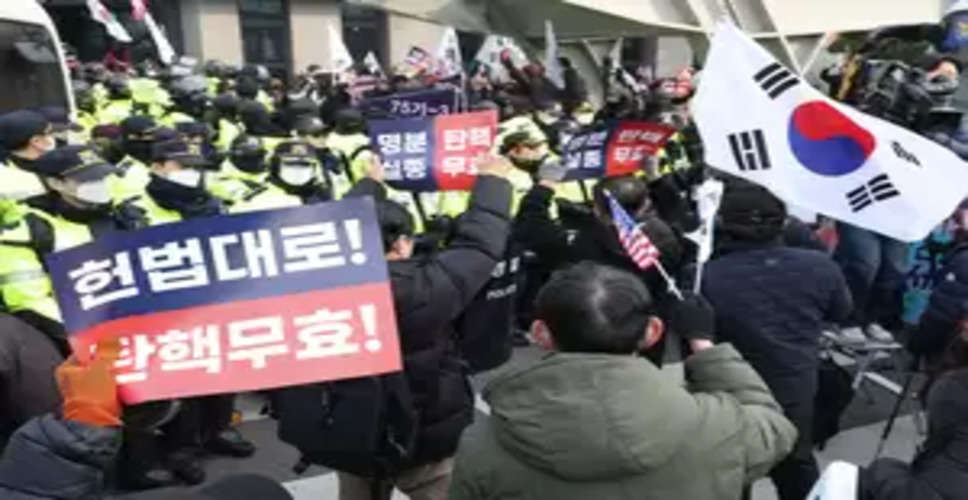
pixel 760 121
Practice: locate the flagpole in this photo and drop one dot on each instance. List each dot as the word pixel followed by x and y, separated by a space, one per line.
pixel 698 283
pixel 673 289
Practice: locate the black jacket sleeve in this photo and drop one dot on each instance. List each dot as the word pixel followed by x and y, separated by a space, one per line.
pixel 534 229
pixel 367 187
pixel 52 458
pixel 436 290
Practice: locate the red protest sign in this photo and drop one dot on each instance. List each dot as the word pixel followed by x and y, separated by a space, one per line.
pixel 631 142
pixel 461 142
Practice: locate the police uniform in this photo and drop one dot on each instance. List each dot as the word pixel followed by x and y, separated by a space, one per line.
pixel 243 182
pixel 24 284
pixel 296 156
pixel 16 130
pixel 205 418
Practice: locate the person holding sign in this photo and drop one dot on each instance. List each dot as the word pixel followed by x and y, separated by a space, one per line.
pixel 429 295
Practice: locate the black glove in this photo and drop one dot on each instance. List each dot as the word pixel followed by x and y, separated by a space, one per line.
pixel 692 318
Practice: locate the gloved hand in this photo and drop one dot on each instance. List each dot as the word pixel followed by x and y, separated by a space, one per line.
pixel 693 318
pixel 90 391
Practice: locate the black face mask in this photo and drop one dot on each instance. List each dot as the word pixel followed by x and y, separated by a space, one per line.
pixel 250 164
pixel 189 202
pixel 139 149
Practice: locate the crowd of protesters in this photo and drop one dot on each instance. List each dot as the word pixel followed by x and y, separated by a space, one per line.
pixel 599 418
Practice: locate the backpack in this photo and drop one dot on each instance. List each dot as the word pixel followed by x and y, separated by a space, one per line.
pixel 364 426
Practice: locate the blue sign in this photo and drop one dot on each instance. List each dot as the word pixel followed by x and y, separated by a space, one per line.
pixel 412 104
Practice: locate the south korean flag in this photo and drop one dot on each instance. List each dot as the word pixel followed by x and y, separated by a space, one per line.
pixel 760 121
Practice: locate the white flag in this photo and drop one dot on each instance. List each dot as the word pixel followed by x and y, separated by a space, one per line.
pixel 617 72
pixel 373 64
pixel 448 58
pixel 552 67
pixel 166 53
pixel 101 14
pixel 758 120
pixel 707 196
pixel 490 55
pixel 340 60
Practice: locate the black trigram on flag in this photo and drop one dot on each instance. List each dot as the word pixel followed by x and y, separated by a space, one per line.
pixel 749 150
pixel 877 189
pixel 775 80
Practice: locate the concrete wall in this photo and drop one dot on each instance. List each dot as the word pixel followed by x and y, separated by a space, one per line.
pixel 211 30
pixel 405 32
pixel 309 22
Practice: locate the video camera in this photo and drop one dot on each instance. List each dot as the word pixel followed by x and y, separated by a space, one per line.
pixel 900 93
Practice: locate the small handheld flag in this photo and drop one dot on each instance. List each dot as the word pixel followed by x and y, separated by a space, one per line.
pixel 637 244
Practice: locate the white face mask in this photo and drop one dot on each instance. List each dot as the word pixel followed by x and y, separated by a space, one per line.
pixel 49 145
pixel 188 177
pixel 94 192
pixel 296 175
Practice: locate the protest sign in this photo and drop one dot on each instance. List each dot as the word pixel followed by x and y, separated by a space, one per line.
pixel 417 62
pixel 421 103
pixel 616 149
pixel 235 303
pixel 434 153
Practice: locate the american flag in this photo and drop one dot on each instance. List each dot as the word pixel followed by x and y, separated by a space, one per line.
pixel 637 244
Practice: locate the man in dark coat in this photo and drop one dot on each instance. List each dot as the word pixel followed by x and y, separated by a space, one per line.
pixel 771 303
pixel 27 362
pixel 429 294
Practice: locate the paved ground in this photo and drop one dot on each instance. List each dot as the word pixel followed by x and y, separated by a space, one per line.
pixel 863 424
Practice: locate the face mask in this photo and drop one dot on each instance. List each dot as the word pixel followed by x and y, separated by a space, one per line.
pixel 94 192
pixel 49 144
pixel 138 149
pixel 188 177
pixel 296 175
pixel 250 164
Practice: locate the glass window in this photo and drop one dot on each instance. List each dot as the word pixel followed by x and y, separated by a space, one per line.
pixel 32 75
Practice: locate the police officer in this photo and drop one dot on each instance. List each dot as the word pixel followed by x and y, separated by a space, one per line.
pixel 86 104
pixel 295 169
pixel 119 103
pixel 243 182
pixel 189 101
pixel 349 141
pixel 177 192
pixel 78 204
pixel 176 185
pixel 138 134
pixel 225 120
pixel 26 136
pixel 25 288
pixel 199 133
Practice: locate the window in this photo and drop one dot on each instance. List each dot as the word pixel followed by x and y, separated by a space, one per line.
pixel 265 33
pixel 32 75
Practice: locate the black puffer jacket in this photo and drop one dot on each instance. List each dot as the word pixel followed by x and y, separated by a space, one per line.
pixel 429 295
pixel 947 306
pixel 28 359
pixel 940 471
pixel 50 459
pixel 771 303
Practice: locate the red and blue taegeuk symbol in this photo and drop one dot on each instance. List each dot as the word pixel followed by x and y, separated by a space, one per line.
pixel 826 141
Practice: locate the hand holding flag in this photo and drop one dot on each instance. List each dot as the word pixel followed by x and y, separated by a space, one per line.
pixel 637 244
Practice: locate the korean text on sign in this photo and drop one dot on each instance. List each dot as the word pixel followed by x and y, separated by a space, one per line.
pixel 434 154
pixel 270 299
pixel 616 148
